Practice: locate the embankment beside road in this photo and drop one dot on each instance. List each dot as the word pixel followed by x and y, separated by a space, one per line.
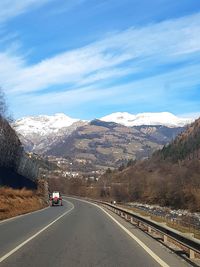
pixel 15 202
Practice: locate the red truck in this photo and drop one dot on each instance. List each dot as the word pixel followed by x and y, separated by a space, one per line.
pixel 55 199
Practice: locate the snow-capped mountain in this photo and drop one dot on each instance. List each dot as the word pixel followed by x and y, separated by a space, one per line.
pixel 40 132
pixel 43 124
pixel 128 135
pixel 162 118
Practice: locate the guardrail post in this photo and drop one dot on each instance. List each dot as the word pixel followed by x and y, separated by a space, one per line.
pixel 190 234
pixel 146 224
pixel 149 229
pixel 191 254
pixel 165 239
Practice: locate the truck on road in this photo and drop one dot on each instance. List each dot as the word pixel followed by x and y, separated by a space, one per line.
pixel 55 199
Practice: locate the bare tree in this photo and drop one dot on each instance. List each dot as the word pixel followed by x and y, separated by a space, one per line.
pixel 3 106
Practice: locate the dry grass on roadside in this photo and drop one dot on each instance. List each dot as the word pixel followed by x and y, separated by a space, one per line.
pixel 18 201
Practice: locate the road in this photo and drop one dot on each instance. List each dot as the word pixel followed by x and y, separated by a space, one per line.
pixel 80 234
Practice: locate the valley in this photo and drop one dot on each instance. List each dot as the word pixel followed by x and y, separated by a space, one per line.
pixel 98 144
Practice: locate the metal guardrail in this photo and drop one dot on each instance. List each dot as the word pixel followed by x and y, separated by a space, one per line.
pixel 189 244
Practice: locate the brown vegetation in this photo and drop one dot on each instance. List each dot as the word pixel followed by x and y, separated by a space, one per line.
pixel 15 170
pixel 18 201
pixel 176 185
pixel 75 186
pixel 185 146
pixel 170 178
pixel 164 183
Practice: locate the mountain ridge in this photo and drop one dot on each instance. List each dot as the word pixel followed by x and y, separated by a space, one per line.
pixel 44 124
pixel 159 118
pixel 97 142
pixel 170 177
pixel 184 146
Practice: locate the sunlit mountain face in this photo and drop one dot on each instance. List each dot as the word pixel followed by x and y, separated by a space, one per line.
pixel 107 141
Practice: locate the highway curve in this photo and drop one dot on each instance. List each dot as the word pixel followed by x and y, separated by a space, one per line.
pixel 82 235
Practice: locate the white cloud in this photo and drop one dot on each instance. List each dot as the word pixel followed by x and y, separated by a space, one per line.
pixel 164 91
pixel 106 74
pixel 145 47
pixel 10 67
pixel 13 8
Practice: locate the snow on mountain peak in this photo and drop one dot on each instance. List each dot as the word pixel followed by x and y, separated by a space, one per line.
pixel 163 118
pixel 44 124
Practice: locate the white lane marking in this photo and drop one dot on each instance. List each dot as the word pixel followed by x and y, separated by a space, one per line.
pixel 147 249
pixel 33 236
pixel 23 215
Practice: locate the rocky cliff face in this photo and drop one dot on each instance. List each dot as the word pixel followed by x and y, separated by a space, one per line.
pixel 16 168
pixel 10 145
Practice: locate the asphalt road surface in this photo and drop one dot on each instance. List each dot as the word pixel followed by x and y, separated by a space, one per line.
pixel 76 234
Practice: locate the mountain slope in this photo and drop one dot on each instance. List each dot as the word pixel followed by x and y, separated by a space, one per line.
pixel 169 178
pixel 43 124
pixel 185 146
pixel 99 143
pixel 109 144
pixel 38 133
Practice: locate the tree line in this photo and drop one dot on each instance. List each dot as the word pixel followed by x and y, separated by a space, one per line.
pixel 171 177
pixel 10 145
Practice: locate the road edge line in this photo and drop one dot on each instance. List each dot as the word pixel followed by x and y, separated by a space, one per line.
pixel 35 235
pixel 147 249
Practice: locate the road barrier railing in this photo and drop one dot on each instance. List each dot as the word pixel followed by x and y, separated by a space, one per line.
pixel 185 241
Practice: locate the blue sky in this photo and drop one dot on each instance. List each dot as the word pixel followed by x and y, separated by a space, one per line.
pixel 89 58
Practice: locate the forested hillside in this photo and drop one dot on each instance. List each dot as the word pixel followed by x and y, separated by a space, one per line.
pixel 185 146
pixel 171 177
